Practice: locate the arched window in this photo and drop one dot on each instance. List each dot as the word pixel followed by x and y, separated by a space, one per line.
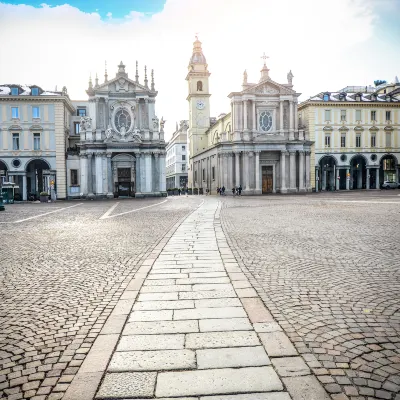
pixel 199 86
pixel 326 97
pixel 265 121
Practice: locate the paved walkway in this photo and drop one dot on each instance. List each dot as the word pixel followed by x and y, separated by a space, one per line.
pixel 197 330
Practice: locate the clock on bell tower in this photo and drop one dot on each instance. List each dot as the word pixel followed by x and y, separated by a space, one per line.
pixel 199 101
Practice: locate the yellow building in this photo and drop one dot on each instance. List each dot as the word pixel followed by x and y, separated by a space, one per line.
pixel 356 132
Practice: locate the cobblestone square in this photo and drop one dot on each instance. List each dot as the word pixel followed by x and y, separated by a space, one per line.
pixel 325 266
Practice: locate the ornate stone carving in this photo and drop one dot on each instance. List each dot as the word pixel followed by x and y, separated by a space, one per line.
pixel 266 89
pixel 85 124
pixel 268 103
pixel 155 123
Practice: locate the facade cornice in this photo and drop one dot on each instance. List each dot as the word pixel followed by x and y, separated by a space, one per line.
pixel 347 104
pixel 47 99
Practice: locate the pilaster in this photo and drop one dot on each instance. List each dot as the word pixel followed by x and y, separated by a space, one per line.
pixel 301 171
pixel 283 171
pixel 292 171
pixel 257 167
pixel 110 188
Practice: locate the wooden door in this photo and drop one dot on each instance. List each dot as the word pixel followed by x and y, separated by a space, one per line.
pixel 267 179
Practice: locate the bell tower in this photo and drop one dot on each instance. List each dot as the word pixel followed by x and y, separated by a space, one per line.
pixel 199 103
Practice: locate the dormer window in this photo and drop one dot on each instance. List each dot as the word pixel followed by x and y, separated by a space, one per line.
pixel 35 91
pixel 373 97
pixel 387 98
pixel 14 91
pixel 358 97
pixel 326 97
pixel 342 96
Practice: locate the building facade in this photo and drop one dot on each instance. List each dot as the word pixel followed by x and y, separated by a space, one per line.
pixel 119 140
pixel 258 145
pixel 177 158
pixel 34 125
pixel 357 136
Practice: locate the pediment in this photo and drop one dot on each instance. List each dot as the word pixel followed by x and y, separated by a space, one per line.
pixel 269 87
pixel 15 127
pixel 35 128
pixel 121 84
pixel 374 129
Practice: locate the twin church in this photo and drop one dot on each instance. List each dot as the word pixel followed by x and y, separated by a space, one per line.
pixel 257 145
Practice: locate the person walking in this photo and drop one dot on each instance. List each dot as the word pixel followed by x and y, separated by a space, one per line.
pixel 223 190
pixel 240 190
pixel 233 191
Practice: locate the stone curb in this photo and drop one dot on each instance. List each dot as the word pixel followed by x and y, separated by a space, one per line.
pixel 294 373
pixel 86 382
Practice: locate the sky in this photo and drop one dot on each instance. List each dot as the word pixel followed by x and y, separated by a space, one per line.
pixel 327 44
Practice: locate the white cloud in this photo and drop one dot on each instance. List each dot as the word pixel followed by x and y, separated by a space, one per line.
pixel 324 43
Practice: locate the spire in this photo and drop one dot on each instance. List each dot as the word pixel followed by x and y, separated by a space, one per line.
pixel 137 73
pixel 105 73
pixel 121 70
pixel 90 81
pixel 152 79
pixel 244 84
pixel 146 82
pixel 197 56
pixel 265 70
pixel 96 82
pixel 176 127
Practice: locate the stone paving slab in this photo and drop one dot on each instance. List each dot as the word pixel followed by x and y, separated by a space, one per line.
pixel 221 339
pixel 163 305
pixel 124 384
pixel 291 366
pixel 305 388
pixel 277 344
pixel 157 360
pixel 151 342
pixel 208 294
pixel 223 325
pixel 210 312
pixel 211 381
pixel 250 396
pixel 160 327
pixel 232 357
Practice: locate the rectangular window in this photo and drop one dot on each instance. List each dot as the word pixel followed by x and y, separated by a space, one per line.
pixel 358 140
pixel 81 112
pixel 36 141
pixel 373 115
pixel 15 141
pixel 373 140
pixel 213 173
pixel 74 176
pixel 35 91
pixel 388 116
pixel 327 115
pixel 14 91
pixel 388 139
pixel 77 128
pixel 343 115
pixel 195 176
pixel 183 167
pixel 358 115
pixel 35 112
pixel 14 112
pixel 343 140
pixel 327 140
pixel 183 147
pixel 204 174
pixel 183 157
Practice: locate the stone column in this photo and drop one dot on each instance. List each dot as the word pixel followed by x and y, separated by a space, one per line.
pixel 308 172
pixel 105 169
pixel 162 172
pixel 359 178
pixel 245 115
pixel 90 174
pixel 337 178
pixel 110 190
pixel 254 116
pixel 230 170
pixel 283 171
pixel 149 173
pixel 225 175
pixel 281 117
pixel 377 183
pixel 98 130
pixel 156 174
pixel 301 171
pixel 368 181
pixel 24 193
pixel 249 164
pixel 296 118
pixel 347 179
pixel 246 171
pixel 99 173
pixel 142 173
pixel 291 119
pixel 257 167
pixel 237 168
pixel 317 178
pixel 83 161
pixel 292 155
pixel 324 174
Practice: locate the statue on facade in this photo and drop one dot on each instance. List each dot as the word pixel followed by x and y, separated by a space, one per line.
pixel 82 125
pixel 109 132
pixel 122 131
pixel 162 123
pixel 290 77
pixel 136 135
pixel 155 123
pixel 88 123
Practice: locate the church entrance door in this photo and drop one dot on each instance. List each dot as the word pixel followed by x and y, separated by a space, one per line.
pixel 267 179
pixel 124 182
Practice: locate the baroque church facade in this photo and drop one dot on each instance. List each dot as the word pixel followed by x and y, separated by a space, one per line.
pixel 257 145
pixel 118 140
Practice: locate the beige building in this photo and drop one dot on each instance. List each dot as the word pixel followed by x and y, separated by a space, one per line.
pixel 34 126
pixel 257 145
pixel 356 132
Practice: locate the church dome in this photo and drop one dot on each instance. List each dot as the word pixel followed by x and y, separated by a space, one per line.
pixel 197 56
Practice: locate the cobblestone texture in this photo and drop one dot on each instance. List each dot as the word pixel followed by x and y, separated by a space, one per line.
pixel 327 267
pixel 60 277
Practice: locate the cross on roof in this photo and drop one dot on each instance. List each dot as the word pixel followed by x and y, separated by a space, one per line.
pixel 264 57
pixel 197 35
